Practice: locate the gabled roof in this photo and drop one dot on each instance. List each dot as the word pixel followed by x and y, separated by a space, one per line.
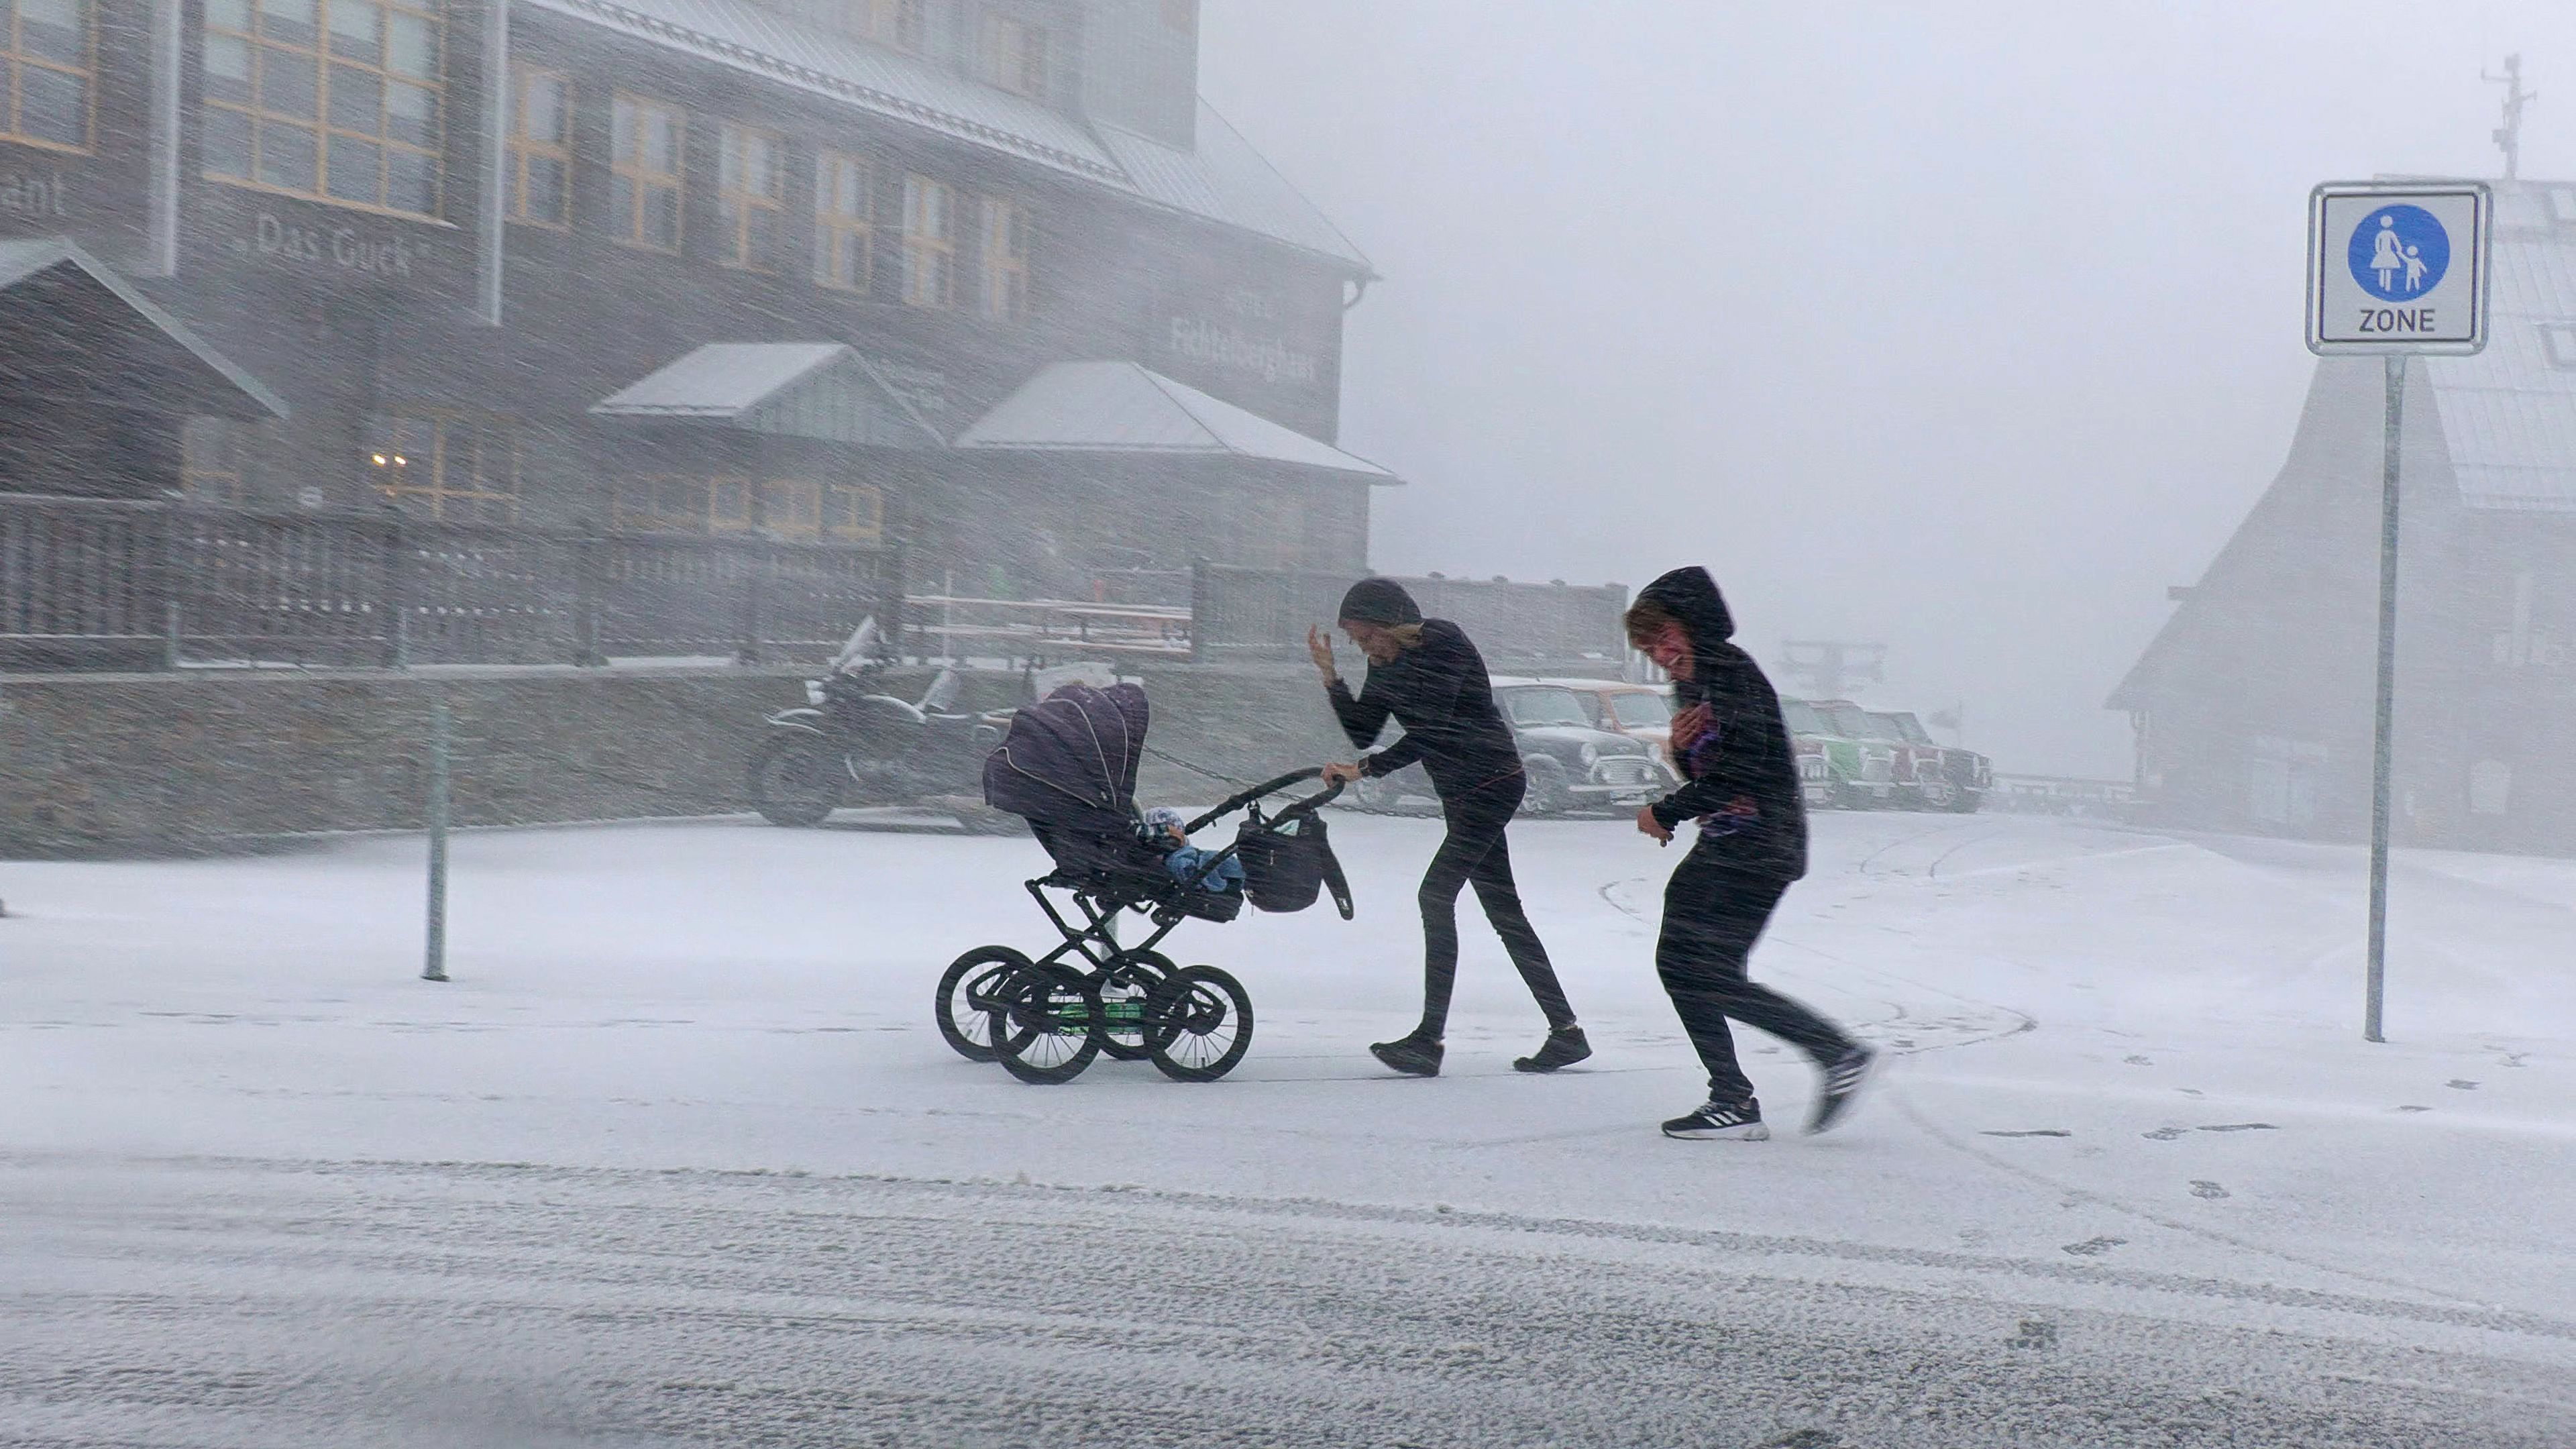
pixel 83 325
pixel 1223 180
pixel 2509 413
pixel 1122 407
pixel 1226 181
pixel 820 390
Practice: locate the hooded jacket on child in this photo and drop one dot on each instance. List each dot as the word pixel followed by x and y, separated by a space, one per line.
pixel 1740 771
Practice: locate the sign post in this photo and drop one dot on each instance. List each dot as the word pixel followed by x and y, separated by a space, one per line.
pixel 2396 268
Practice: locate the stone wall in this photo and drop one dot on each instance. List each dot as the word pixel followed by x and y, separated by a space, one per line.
pixel 108 764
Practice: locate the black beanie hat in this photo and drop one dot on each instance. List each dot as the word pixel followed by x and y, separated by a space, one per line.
pixel 1379 601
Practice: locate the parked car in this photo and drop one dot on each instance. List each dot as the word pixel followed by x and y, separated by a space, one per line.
pixel 1934 776
pixel 1811 737
pixel 1642 712
pixel 1860 756
pixel 1571 764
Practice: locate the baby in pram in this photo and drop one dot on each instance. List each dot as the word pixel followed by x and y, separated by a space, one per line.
pixel 1184 860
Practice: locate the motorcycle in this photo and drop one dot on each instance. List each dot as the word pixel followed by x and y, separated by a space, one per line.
pixel 853 744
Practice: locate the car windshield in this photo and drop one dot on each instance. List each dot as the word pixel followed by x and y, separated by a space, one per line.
pixel 1909 728
pixel 1803 719
pixel 1847 720
pixel 1641 710
pixel 1543 707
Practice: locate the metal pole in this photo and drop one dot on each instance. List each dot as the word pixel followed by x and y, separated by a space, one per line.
pixel 2379 782
pixel 436 967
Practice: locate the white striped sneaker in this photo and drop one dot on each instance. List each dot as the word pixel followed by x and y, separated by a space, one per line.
pixel 1845 1075
pixel 1722 1122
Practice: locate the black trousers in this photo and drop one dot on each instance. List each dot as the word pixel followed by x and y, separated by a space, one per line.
pixel 1474 853
pixel 1713 913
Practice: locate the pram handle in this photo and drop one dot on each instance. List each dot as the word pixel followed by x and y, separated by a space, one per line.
pixel 1267 787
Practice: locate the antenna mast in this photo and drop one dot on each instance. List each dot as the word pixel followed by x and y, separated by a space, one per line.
pixel 2508 137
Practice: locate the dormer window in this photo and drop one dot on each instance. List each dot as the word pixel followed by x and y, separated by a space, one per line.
pixel 1015 56
pixel 2560 339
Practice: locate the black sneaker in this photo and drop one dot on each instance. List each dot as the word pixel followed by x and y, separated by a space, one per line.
pixel 1722 1122
pixel 1845 1075
pixel 1415 1055
pixel 1563 1048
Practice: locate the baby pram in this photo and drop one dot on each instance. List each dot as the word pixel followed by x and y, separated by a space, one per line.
pixel 1068 766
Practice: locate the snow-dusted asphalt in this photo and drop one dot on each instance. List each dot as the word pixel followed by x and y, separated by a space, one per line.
pixel 678 1159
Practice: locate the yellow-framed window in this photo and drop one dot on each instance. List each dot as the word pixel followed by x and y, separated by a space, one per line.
pixel 540 147
pixel 751 194
pixel 792 508
pixel 929 241
pixel 853 513
pixel 48 72
pixel 457 467
pixel 341 100
pixel 1015 56
pixel 1005 249
pixel 647 163
pixel 899 23
pixel 845 214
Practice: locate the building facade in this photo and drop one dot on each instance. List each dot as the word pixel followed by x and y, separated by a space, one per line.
pixel 2253 707
pixel 708 266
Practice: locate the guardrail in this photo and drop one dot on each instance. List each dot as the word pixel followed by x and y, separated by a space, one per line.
pixel 87 582
pixel 2062 795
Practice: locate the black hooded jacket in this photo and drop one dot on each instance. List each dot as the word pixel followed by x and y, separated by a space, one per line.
pixel 1740 772
pixel 1439 691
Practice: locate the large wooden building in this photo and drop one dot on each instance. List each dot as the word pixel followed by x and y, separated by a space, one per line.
pixel 986 272
pixel 2253 706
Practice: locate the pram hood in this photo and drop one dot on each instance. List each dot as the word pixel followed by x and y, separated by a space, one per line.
pixel 1070 760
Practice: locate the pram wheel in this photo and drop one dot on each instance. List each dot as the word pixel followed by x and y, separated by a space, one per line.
pixel 1199 1025
pixel 1046 1023
pixel 1127 990
pixel 965 998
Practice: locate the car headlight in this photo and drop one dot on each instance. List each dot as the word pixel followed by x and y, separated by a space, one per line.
pixel 1591 756
pixel 814 691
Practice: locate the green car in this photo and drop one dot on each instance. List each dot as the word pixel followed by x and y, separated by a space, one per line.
pixel 1846 760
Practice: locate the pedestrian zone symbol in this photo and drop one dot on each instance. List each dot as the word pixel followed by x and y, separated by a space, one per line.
pixel 2399 253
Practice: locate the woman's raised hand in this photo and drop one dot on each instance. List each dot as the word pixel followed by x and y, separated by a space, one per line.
pixel 1321 647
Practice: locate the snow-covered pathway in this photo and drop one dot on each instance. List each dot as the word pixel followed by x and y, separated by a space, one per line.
pixel 2129 1083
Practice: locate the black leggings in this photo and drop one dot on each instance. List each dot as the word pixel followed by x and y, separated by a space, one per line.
pixel 1474 851
pixel 1713 913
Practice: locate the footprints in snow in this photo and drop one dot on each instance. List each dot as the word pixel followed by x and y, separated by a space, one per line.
pixel 2092 1247
pixel 2168 1134
pixel 2204 1188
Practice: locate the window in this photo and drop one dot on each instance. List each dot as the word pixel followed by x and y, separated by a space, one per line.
pixel 929 241
pixel 1015 56
pixel 540 147
pixel 1006 259
pixel 683 503
pixel 844 222
pixel 459 467
pixel 2560 338
pixel 337 99
pixel 899 23
pixel 750 193
pixel 46 70
pixel 825 512
pixel 214 460
pixel 644 140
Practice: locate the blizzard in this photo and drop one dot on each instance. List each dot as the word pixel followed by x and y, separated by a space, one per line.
pixel 678 1154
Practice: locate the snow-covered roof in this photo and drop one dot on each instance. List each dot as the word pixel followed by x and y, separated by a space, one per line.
pixel 1123 407
pixel 1223 180
pixel 800 389
pixel 179 370
pixel 2509 413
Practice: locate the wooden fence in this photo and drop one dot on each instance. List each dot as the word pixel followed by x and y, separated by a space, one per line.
pixel 85 583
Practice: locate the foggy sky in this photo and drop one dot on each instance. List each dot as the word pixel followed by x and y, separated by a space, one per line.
pixel 1965 328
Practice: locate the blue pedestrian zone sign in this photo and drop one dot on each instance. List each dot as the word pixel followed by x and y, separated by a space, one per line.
pixel 2400 253
pixel 2398 267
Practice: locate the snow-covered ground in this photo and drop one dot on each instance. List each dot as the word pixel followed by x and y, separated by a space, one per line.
pixel 681 1119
